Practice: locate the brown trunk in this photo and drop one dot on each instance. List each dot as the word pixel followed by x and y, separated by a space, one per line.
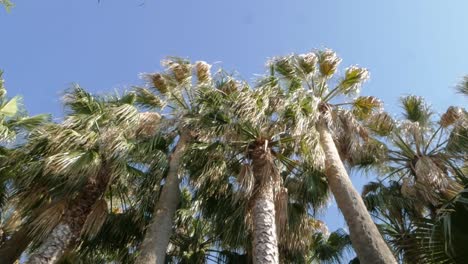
pixel 365 237
pixel 12 248
pixel 154 246
pixel 65 234
pixel 265 242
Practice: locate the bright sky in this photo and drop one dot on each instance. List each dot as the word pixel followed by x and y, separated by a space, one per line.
pixel 411 47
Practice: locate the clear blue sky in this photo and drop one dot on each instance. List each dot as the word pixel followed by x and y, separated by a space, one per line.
pixel 411 47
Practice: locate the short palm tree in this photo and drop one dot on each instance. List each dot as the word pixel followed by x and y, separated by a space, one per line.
pixel 413 237
pixel 424 157
pixel 424 152
pixel 73 165
pixel 13 122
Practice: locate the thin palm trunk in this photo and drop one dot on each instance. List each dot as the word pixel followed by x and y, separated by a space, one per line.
pixel 365 237
pixel 12 249
pixel 265 242
pixel 154 246
pixel 64 235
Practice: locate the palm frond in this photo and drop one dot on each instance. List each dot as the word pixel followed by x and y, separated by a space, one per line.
pixel 416 109
pixel 462 87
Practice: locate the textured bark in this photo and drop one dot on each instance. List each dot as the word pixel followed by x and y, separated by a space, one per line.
pixel 154 246
pixel 265 242
pixel 12 249
pixel 54 246
pixel 365 237
pixel 65 234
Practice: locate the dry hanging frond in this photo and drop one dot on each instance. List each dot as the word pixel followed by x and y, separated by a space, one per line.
pixel 451 116
pixel 112 142
pixel 159 83
pixel 427 193
pixel 407 189
pixel 381 123
pixel 281 211
pixel 246 180
pixel 453 189
pixel 95 219
pixel 431 180
pixel 148 123
pixel 203 71
pixel 429 173
pixel 48 220
pixel 328 62
pixel 13 222
pixel 230 86
pixel 180 68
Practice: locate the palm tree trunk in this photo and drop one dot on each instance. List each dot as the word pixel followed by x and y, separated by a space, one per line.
pixel 365 237
pixel 64 235
pixel 12 249
pixel 265 241
pixel 154 246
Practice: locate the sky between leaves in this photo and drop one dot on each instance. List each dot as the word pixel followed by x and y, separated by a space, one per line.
pixel 410 47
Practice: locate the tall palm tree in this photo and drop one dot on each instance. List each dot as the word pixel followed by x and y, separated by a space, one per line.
pixel 75 163
pixel 308 78
pixel 252 139
pixel 175 95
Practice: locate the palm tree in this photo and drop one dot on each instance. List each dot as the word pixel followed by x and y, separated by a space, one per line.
pixel 424 157
pixel 307 78
pixel 252 139
pixel 176 97
pixel 13 122
pixel 462 87
pixel 74 164
pixel 413 237
pixel 193 240
pixel 330 247
pixel 7 4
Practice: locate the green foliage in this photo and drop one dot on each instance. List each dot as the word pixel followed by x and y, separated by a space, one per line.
pixel 7 4
pixel 420 207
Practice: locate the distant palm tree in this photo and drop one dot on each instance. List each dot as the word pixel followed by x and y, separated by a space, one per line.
pixel 330 247
pixel 462 87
